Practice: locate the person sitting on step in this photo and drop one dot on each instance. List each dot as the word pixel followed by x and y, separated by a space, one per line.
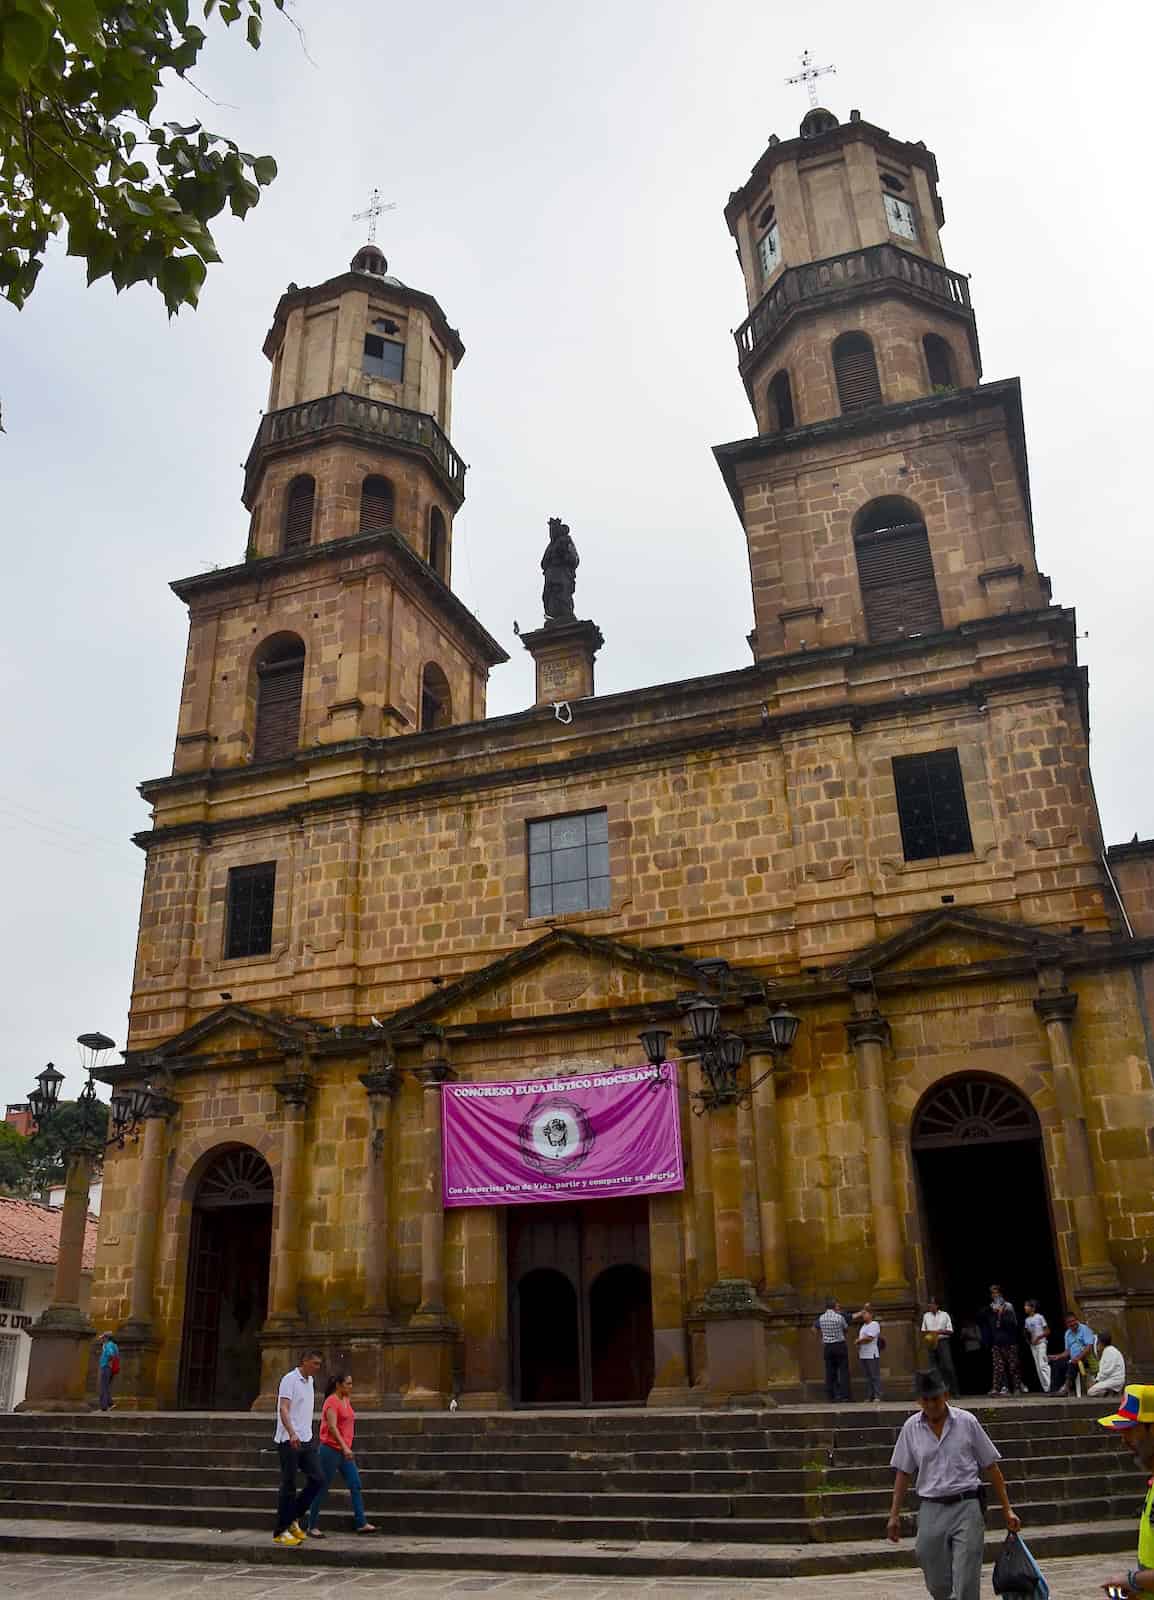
pixel 1111 1377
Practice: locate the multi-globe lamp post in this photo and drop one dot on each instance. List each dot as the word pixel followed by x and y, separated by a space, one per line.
pixel 735 1317
pixel 62 1335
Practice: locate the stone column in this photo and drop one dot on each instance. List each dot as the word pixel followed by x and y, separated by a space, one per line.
pixel 62 1335
pixel 704 1232
pixel 486 1315
pixel 1095 1271
pixel 770 1202
pixel 280 1336
pixel 667 1275
pixel 868 1035
pixel 139 1347
pixel 295 1093
pixel 381 1083
pixel 432 1335
pixel 368 1344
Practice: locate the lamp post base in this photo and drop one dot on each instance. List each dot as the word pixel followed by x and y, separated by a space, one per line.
pixel 58 1362
pixel 737 1345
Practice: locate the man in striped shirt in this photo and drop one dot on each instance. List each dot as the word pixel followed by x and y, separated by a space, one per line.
pixel 831 1325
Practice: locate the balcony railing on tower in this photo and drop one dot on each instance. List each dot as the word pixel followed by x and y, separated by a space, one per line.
pixel 807 286
pixel 375 418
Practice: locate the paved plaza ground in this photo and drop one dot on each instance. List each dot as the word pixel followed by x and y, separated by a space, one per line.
pixel 56 1577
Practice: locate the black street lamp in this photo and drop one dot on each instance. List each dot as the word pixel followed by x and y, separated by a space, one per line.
pixel 721 1053
pixel 655 1042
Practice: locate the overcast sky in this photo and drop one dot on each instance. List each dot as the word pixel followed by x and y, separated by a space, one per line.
pixel 560 173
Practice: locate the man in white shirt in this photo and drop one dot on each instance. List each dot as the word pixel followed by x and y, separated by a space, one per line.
pixel 937 1331
pixel 1111 1377
pixel 869 1352
pixel 1037 1335
pixel 296 1449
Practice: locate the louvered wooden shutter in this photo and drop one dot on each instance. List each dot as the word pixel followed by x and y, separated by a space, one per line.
pixel 857 375
pixel 376 504
pixel 298 521
pixel 278 708
pixel 898 589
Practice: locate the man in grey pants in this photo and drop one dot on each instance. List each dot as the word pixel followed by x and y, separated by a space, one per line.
pixel 947 1450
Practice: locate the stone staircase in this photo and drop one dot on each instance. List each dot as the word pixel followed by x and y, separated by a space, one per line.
pixel 734 1493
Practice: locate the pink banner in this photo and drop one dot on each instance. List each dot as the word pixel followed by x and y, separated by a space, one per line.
pixel 580 1138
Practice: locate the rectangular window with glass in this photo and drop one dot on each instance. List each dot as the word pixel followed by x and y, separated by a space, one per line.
pixel 384 358
pixel 932 805
pixel 900 216
pixel 769 251
pixel 11 1293
pixel 569 864
pixel 248 930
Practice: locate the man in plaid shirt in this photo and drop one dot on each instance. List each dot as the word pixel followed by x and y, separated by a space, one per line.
pixel 831 1325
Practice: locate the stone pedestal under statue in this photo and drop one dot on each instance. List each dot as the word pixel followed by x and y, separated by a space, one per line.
pixel 564 654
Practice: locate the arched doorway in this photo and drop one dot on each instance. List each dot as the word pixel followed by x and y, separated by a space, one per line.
pixel 985 1197
pixel 226 1301
pixel 621 1335
pixel 548 1339
pixel 580 1306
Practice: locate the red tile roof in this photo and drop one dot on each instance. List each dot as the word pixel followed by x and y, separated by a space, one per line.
pixel 30 1231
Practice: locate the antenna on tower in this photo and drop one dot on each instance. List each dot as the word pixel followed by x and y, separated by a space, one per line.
pixel 372 211
pixel 808 75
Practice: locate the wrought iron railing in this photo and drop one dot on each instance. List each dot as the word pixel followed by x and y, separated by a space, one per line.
pixel 802 286
pixel 374 417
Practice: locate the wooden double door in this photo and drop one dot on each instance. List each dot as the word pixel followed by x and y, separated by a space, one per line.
pixel 580 1314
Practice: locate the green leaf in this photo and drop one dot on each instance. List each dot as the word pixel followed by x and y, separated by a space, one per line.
pixel 252 32
pixel 24 38
pixel 80 20
pixel 264 169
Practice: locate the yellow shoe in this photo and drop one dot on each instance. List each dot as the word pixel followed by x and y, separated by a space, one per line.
pixel 297 1532
pixel 287 1540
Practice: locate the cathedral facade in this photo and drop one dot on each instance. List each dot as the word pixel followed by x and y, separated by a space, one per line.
pixel 359 889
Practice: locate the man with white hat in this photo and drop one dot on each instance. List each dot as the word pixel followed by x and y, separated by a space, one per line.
pixel 1134 1422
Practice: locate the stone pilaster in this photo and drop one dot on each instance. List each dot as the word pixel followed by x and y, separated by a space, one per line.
pixel 431 1333
pixel 667 1273
pixel 868 1036
pixel 735 1320
pixel 281 1333
pixel 368 1345
pixel 139 1346
pixel 778 1291
pixel 1095 1272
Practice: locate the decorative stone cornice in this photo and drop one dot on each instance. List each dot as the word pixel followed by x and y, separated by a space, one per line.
pixel 435 1072
pixel 872 1028
pixel 382 1081
pixel 1058 1007
pixel 161 1106
pixel 296 1091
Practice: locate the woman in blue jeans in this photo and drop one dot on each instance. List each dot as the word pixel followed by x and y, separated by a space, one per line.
pixel 335 1453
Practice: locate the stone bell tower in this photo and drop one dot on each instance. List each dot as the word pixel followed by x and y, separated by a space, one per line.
pixel 886 495
pixel 341 622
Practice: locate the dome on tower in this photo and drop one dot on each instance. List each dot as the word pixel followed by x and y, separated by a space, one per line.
pixel 370 258
pixel 817 122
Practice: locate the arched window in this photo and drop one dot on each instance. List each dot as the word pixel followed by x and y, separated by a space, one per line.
pixel 781 403
pixel 438 541
pixel 280 671
pixel 856 372
pixel 436 701
pixel 939 362
pixel 377 504
pixel 895 570
pixel 298 513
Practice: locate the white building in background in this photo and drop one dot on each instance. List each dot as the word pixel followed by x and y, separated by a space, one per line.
pixel 56 1196
pixel 29 1235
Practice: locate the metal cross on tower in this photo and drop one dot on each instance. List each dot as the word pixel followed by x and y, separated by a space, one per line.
pixel 374 209
pixel 808 74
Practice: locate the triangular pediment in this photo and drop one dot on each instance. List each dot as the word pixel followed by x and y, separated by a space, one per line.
pixel 234 1029
pixel 957 938
pixel 562 971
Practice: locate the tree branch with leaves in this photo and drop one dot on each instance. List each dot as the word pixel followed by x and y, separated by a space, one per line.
pixel 82 149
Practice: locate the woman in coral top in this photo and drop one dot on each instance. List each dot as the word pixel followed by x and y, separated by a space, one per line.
pixel 335 1453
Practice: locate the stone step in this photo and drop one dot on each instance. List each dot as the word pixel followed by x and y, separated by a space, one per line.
pixel 829 1523
pixel 1045 1475
pixel 537 1558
